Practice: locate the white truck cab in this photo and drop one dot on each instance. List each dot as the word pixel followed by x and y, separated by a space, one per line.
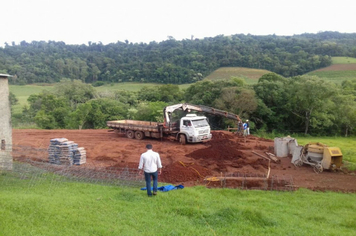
pixel 195 128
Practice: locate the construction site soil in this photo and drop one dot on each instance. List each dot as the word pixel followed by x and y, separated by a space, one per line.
pixel 227 160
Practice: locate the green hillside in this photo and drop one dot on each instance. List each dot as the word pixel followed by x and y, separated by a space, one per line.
pixel 342 68
pixel 250 75
pixel 343 60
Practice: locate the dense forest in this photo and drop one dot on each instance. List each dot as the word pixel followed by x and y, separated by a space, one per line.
pixel 171 61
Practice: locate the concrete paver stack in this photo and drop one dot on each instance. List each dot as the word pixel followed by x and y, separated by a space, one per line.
pixel 61 151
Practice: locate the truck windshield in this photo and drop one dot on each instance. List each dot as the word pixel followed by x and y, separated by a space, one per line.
pixel 200 123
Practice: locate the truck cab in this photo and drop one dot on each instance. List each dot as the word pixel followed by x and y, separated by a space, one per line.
pixel 194 129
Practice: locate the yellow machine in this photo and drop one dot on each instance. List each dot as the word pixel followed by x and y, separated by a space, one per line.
pixel 320 156
pixel 332 158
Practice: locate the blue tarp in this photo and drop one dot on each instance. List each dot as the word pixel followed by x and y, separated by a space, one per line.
pixel 166 188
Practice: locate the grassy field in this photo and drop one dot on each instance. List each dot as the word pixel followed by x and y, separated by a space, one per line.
pixel 336 76
pixel 72 208
pixel 134 87
pixel 22 92
pixel 251 76
pixel 342 68
pixel 343 60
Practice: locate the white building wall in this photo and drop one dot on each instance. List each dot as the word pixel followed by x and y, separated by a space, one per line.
pixel 5 125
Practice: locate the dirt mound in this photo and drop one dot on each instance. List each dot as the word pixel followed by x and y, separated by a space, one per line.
pixel 220 149
pixel 222 135
pixel 226 154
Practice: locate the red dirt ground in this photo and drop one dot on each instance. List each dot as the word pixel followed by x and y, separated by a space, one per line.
pixel 189 164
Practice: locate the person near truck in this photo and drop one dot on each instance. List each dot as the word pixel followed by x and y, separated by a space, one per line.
pixel 247 127
pixel 244 125
pixel 150 164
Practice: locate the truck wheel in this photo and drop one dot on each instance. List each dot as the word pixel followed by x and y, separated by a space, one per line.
pixel 139 135
pixel 182 139
pixel 130 134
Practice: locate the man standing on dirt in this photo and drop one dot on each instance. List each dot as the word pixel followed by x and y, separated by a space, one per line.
pixel 150 162
pixel 247 127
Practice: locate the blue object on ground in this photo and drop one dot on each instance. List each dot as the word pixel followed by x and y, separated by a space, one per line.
pixel 166 188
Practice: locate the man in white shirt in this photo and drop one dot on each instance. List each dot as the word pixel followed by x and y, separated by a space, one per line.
pixel 150 163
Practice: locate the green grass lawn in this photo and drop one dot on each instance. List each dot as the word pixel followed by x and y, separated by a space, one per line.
pixel 72 208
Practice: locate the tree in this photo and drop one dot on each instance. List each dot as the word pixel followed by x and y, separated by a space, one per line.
pixel 310 99
pixel 13 99
pixel 75 91
pixel 246 103
pixel 93 72
pixel 149 94
pixel 47 110
pixel 206 92
pixel 150 111
pixel 349 86
pixel 44 120
pixel 170 93
pixel 345 112
pixel 240 101
pixel 45 101
pixel 60 115
pixel 273 111
pixel 102 110
pixel 79 117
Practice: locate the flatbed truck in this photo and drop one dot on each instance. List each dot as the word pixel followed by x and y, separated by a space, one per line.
pixel 189 129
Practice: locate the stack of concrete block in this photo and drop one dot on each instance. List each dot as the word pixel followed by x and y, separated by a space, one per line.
pixel 80 156
pixel 64 152
pixel 54 151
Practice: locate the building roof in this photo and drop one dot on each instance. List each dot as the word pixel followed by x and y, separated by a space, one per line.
pixel 4 75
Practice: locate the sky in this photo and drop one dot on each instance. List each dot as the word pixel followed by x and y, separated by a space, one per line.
pixel 110 21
